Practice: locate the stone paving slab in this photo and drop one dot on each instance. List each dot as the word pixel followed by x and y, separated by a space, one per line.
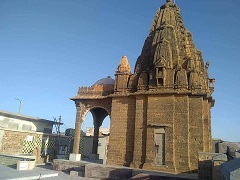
pixel 8 173
pixel 39 172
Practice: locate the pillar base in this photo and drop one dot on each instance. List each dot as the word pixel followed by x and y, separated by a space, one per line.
pixel 75 157
pixel 94 156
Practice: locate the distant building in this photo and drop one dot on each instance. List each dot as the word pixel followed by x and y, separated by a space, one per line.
pixel 25 123
pixel 229 148
pixel 20 134
pixel 102 131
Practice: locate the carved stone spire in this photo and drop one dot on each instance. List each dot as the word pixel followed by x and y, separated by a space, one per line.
pixel 124 66
pixel 122 75
pixel 166 39
pixel 168 47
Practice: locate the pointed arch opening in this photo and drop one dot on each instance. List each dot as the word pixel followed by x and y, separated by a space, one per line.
pixel 96 132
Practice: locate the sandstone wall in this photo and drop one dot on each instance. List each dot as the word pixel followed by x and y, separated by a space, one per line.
pixel 183 120
pixel 181 133
pixel 140 136
pixel 121 142
pixel 195 130
pixel 160 115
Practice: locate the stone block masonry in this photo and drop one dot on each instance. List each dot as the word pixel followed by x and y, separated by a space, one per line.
pixel 122 132
pixel 161 113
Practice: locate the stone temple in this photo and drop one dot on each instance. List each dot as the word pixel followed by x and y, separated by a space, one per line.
pixel 161 113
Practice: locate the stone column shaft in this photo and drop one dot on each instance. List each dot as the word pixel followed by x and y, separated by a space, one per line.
pixel 95 140
pixel 77 135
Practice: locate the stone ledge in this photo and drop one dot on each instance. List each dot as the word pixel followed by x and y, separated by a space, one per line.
pixel 66 165
pixel 100 171
pixel 75 157
pixel 77 173
pixel 107 172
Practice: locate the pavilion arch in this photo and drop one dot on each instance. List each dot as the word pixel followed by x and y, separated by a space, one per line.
pixel 91 109
pixel 100 109
pixel 98 114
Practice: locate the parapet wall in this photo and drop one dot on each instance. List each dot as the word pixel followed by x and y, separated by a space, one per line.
pixel 101 90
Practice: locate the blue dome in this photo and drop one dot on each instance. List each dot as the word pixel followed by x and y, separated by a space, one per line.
pixel 105 81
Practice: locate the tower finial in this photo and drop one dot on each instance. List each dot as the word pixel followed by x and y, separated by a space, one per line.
pixel 169 1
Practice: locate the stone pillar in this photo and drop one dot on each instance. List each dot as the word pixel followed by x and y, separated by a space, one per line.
pixel 94 155
pixel 77 134
pixel 98 117
pixel 75 156
pixel 95 139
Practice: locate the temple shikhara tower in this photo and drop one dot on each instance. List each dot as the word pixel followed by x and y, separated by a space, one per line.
pixel 160 114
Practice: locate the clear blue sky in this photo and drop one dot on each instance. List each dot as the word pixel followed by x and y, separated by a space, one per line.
pixel 49 48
